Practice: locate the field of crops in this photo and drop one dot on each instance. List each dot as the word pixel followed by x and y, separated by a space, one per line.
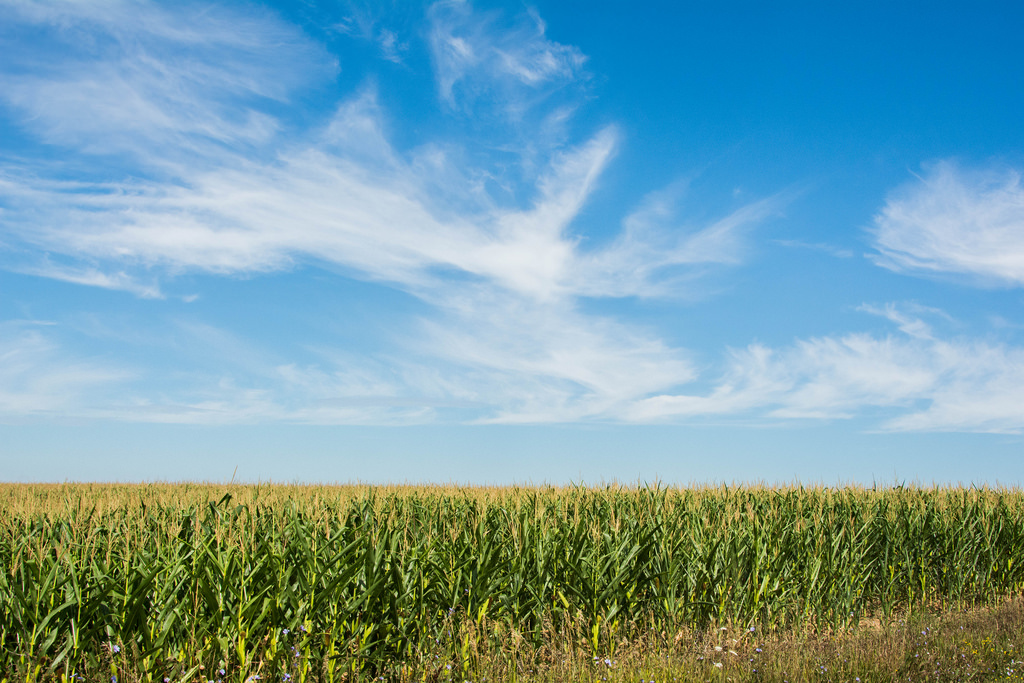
pixel 230 583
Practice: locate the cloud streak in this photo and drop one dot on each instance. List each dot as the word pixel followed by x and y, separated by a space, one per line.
pixel 38 379
pixel 542 365
pixel 956 222
pixel 220 181
pixel 505 339
pixel 137 78
pixel 932 384
pixel 349 199
pixel 517 64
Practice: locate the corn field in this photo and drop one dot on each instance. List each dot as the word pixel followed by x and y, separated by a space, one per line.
pixel 170 582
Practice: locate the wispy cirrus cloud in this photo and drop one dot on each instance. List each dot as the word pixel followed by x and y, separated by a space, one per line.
pixel 909 318
pixel 506 339
pixel 385 25
pixel 38 379
pixel 136 77
pixel 91 277
pixel 955 221
pixel 924 383
pixel 658 254
pixel 510 339
pixel 502 371
pixel 350 199
pixel 544 361
pixel 516 64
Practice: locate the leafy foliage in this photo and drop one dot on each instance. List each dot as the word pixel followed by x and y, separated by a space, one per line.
pixel 321 583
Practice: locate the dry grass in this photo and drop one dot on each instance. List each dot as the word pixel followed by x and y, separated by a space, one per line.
pixel 982 644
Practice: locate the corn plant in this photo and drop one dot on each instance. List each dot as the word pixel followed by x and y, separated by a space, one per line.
pixel 330 583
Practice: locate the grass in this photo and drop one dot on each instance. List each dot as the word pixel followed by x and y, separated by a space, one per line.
pixel 974 645
pixel 213 583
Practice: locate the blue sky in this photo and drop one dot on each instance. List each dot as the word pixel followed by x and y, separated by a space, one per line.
pixel 506 242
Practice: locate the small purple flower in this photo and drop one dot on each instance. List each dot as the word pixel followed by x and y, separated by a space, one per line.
pixel 286 677
pixel 115 649
pixel 285 631
pixel 220 671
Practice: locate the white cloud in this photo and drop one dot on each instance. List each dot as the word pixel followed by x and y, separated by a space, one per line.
pixel 38 379
pixel 980 390
pixel 378 23
pixel 91 277
pixel 510 339
pixel 390 46
pixel 349 199
pixel 544 361
pixel 818 378
pixel 923 383
pixel 42 378
pixel 497 357
pixel 646 257
pixel 515 64
pixel 506 340
pixel 956 221
pixel 505 337
pixel 907 317
pixel 123 76
pixel 517 363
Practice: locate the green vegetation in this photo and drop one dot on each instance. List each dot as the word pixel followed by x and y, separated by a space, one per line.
pixel 184 582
